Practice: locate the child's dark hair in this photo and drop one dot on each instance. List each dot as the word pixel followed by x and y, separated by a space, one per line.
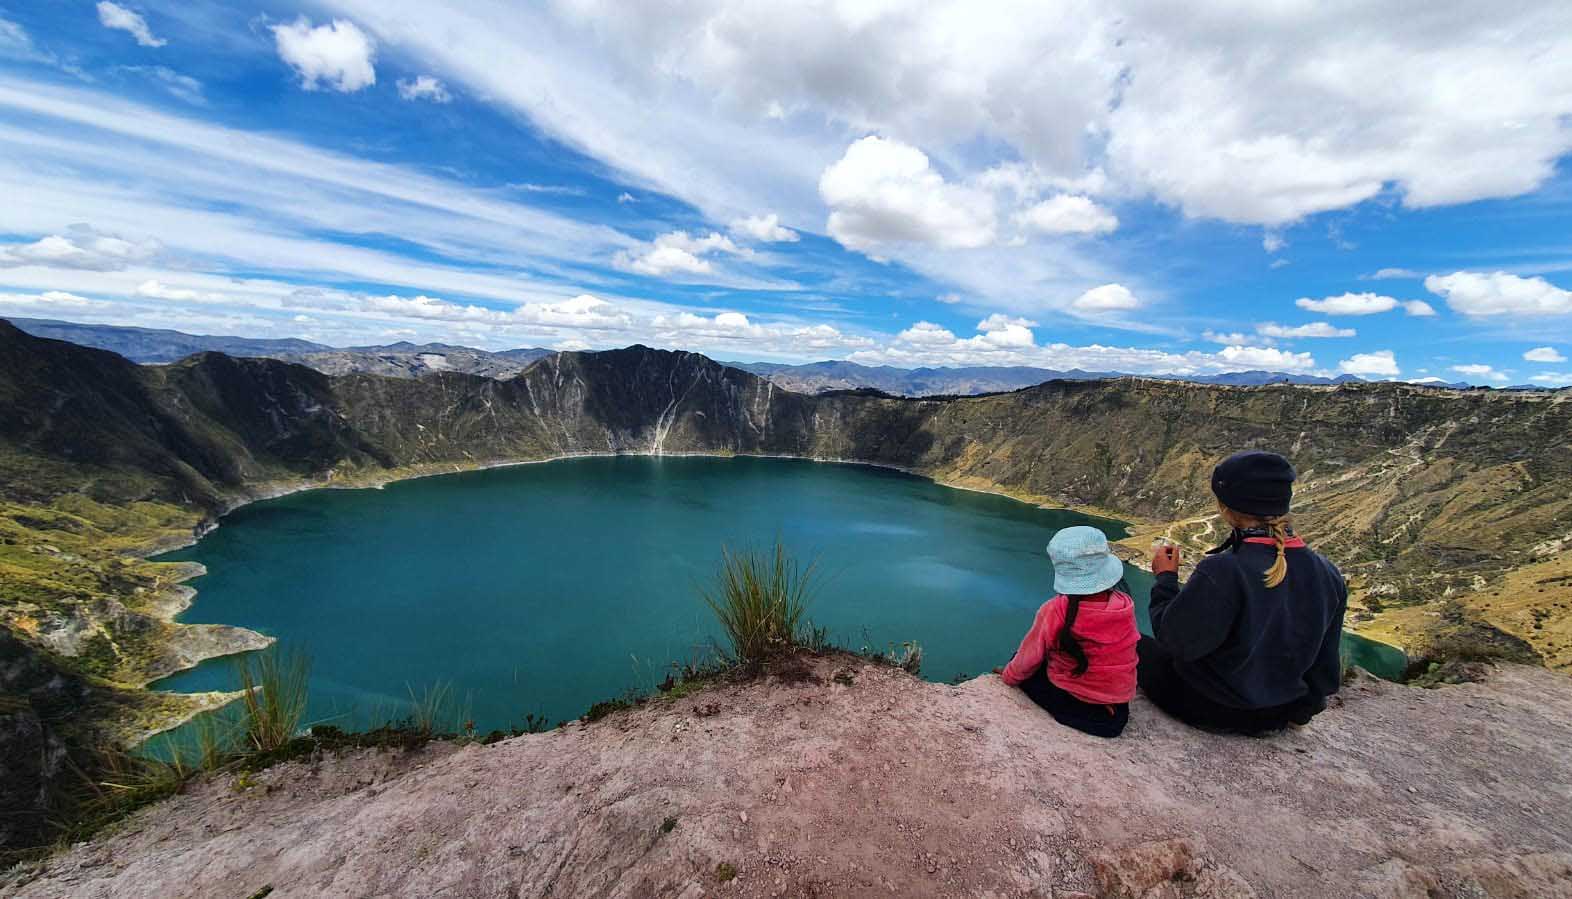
pixel 1067 641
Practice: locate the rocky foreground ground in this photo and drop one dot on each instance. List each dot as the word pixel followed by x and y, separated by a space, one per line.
pixel 851 779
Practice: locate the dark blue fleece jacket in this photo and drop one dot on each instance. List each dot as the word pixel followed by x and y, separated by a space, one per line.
pixel 1248 647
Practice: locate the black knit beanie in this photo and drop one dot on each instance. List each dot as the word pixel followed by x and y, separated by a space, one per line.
pixel 1255 483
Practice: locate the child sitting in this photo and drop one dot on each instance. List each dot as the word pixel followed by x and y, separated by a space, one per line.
pixel 1078 660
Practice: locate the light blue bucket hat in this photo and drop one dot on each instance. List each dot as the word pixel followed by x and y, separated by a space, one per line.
pixel 1082 562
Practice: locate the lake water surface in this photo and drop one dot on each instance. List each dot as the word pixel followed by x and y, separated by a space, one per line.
pixel 544 588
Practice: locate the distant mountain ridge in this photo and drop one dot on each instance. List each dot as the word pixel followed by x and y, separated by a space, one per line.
pixel 818 377
pixel 410 360
pixel 396 360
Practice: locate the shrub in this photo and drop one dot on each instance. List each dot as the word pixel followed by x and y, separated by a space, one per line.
pixel 273 699
pixel 760 599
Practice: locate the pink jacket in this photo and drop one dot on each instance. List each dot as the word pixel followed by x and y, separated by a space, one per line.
pixel 1106 630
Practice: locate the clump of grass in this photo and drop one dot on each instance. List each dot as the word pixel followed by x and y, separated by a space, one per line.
pixel 761 598
pixel 274 685
pixel 725 872
pixel 436 710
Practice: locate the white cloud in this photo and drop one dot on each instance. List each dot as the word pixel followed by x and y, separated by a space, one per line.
pixel 1381 363
pixel 423 87
pixel 1544 354
pixel 926 334
pixel 1314 329
pixel 155 289
pixel 1556 378
pixel 1067 214
pixel 925 343
pixel 181 87
pixel 1235 338
pixel 337 54
pixel 49 302
pixel 661 261
pixel 1106 298
pixel 1272 241
pixel 626 197
pixel 1268 358
pixel 1482 372
pixel 14 41
pixel 884 192
pixel 949 299
pixel 1498 293
pixel 734 328
pixel 113 15
pixel 677 252
pixel 80 247
pixel 1363 304
pixel 1386 274
pixel 1431 110
pixel 764 228
pixel 998 330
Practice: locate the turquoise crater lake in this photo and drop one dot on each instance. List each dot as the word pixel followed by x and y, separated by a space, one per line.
pixel 544 588
pixel 541 589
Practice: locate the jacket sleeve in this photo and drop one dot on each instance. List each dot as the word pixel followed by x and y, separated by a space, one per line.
pixel 1033 648
pixel 1193 620
pixel 1325 677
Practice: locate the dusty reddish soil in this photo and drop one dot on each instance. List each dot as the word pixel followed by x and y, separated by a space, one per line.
pixel 892 786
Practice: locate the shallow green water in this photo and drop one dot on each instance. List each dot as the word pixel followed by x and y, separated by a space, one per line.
pixel 544 588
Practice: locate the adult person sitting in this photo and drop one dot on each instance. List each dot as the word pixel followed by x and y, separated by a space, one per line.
pixel 1250 643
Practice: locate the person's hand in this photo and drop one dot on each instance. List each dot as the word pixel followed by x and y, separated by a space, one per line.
pixel 1165 557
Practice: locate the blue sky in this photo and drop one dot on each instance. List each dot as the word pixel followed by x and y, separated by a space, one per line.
pixel 1296 187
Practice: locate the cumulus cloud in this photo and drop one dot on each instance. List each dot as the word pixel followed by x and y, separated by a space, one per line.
pixel 1554 378
pixel 1272 242
pixel 1269 358
pixel 731 328
pixel 677 252
pixel 338 55
pixel 1106 298
pixel 583 311
pixel 1126 85
pixel 1379 364
pixel 1498 293
pixel 1006 340
pixel 424 87
pixel 113 15
pixel 1544 354
pixel 1235 338
pixel 1314 329
pixel 1067 214
pixel 1482 372
pixel 883 192
pixel 81 247
pixel 1363 304
pixel 764 228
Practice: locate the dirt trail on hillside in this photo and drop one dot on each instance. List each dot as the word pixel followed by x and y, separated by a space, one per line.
pixel 861 781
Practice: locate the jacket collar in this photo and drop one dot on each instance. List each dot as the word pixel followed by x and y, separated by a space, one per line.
pixel 1241 536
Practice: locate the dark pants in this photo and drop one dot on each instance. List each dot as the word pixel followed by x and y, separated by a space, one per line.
pixel 1164 686
pixel 1088 718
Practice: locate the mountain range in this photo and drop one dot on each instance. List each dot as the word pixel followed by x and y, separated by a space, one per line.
pixel 409 360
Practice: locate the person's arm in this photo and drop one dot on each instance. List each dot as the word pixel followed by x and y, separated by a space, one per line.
pixel 1325 677
pixel 1193 620
pixel 1030 655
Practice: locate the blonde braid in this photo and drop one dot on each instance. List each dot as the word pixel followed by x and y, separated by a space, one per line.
pixel 1279 569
